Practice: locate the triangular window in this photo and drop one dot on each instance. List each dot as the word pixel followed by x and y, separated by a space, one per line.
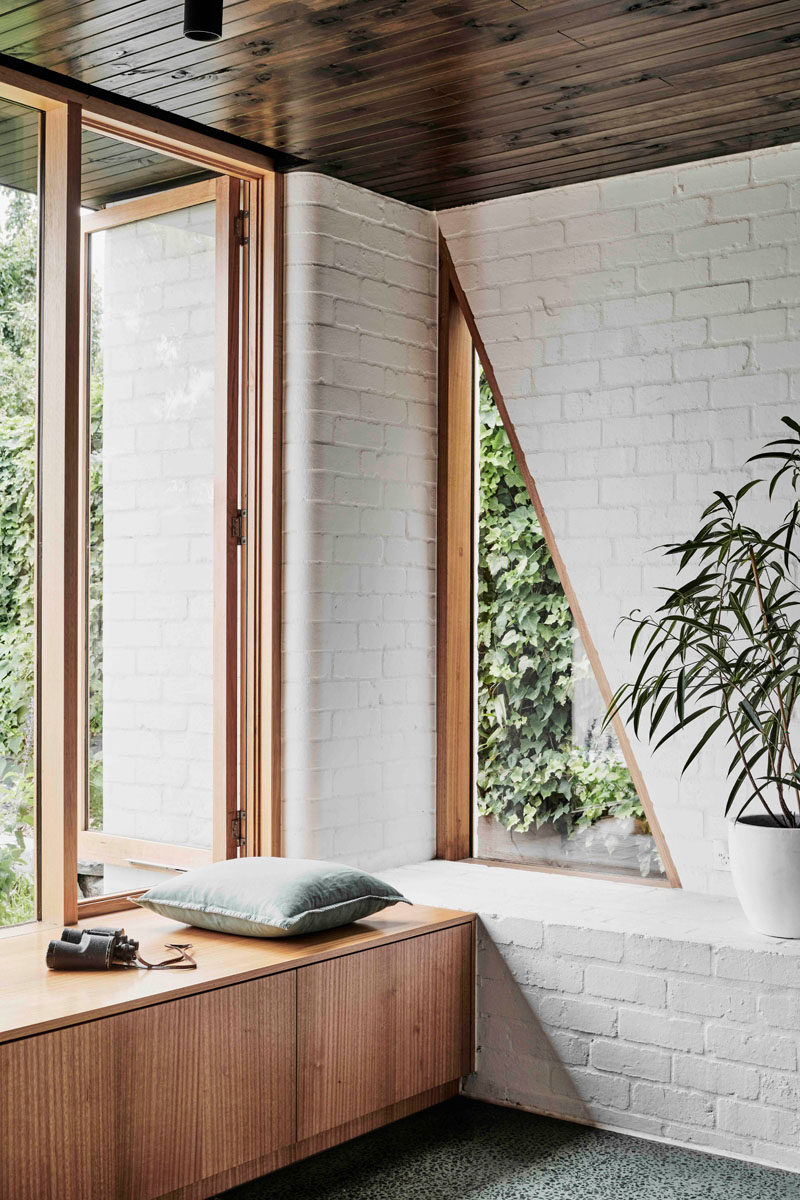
pixel 552 788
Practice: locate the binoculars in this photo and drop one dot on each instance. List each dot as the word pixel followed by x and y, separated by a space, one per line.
pixel 92 950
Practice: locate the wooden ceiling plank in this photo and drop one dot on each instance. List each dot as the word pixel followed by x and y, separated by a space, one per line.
pixel 247 125
pixel 407 91
pixel 724 139
pixel 440 125
pixel 604 94
pixel 149 65
pixel 462 98
pixel 166 51
pixel 738 69
pixel 764 98
pixel 555 59
pixel 726 16
pixel 593 166
pixel 552 169
pixel 714 74
pixel 691 57
pixel 700 17
pixel 496 160
pixel 129 168
pixel 631 116
pixel 105 26
pixel 47 18
pixel 99 26
pixel 459 193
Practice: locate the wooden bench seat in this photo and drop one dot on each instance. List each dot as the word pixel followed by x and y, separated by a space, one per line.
pixel 143 1084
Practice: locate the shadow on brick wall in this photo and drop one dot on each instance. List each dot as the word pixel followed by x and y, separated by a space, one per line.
pixel 519 1059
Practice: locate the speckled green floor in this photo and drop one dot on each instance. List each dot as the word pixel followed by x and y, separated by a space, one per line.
pixel 464 1150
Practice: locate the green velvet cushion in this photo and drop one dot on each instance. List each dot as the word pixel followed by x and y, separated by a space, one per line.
pixel 270 897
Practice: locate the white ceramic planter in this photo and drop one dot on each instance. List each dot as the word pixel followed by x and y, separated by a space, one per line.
pixel 765 864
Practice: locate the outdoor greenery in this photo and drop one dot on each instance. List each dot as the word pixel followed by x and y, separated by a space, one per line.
pixel 18 332
pixel 530 771
pixel 723 649
pixel 96 531
pixel 19 233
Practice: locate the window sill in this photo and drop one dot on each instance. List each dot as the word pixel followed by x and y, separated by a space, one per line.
pixel 502 895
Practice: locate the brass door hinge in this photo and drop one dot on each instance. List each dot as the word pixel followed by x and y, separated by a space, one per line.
pixel 239 526
pixel 238 828
pixel 241 227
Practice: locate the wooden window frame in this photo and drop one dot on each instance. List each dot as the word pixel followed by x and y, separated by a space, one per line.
pixel 455 571
pixel 459 344
pixel 65 112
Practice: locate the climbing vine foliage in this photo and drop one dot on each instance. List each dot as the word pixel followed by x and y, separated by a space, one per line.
pixel 530 769
pixel 18 235
pixel 19 232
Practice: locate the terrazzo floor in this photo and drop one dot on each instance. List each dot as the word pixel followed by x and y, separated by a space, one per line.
pixel 466 1150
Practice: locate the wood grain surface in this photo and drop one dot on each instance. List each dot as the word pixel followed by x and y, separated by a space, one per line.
pixel 206 1188
pixel 59 639
pixel 145 1102
pixel 33 999
pixel 455 618
pixel 273 1051
pixel 378 1029
pixel 447 103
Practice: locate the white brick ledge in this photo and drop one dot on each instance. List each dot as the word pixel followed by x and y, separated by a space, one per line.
pixel 509 893
pixel 648 1010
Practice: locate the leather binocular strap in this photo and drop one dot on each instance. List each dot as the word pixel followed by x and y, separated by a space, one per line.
pixel 182 962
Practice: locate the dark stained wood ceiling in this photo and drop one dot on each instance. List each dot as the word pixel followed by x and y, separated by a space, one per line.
pixel 110 169
pixel 444 102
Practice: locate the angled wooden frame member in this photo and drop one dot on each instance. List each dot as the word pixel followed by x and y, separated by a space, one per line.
pixel 458 707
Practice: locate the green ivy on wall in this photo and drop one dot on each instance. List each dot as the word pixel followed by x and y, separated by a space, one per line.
pixel 18 346
pixel 529 769
pixel 18 266
pixel 96 543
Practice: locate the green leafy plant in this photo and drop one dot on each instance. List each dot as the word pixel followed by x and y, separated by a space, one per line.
pixel 96 543
pixel 18 346
pixel 18 239
pixel 529 771
pixel 722 652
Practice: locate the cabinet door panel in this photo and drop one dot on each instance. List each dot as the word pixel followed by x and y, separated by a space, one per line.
pixel 378 1027
pixel 153 1134
pixel 57 1098
pixel 248 1063
pixel 134 1106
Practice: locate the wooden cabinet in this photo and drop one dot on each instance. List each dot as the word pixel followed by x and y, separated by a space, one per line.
pixel 126 1086
pixel 377 1028
pixel 248 1070
pixel 137 1105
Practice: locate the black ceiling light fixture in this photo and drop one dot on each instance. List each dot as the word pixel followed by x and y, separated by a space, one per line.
pixel 202 20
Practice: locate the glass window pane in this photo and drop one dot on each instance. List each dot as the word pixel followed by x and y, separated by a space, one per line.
pixel 19 244
pixel 553 789
pixel 151 493
pixel 112 171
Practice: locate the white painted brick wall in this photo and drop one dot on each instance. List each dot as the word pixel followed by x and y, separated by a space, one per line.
pixel 360 526
pixel 157 459
pixel 644 331
pixel 640 1009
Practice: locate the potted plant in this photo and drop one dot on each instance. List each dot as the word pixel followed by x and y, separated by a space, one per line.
pixel 722 659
